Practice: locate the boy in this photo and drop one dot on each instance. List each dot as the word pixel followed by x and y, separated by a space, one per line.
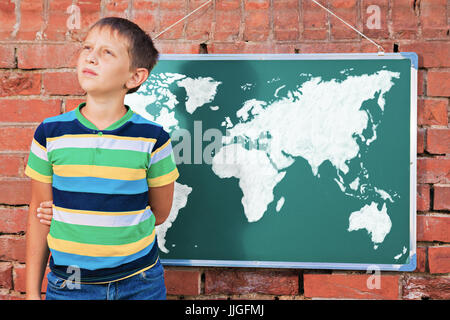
pixel 110 174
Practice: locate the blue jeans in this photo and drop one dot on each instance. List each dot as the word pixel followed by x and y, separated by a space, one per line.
pixel 147 285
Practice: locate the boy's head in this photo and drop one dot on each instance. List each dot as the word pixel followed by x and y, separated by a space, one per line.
pixel 120 54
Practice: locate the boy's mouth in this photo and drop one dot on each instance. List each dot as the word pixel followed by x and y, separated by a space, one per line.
pixel 90 72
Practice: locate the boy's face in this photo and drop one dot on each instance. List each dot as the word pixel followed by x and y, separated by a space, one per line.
pixel 107 56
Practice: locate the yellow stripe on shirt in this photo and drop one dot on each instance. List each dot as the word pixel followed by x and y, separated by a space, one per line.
pixel 97 250
pixel 102 213
pixel 165 179
pixel 74 170
pixel 37 176
pixel 109 136
pixel 39 145
pixel 160 148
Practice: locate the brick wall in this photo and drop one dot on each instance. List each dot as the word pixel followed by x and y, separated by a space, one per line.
pixel 38 80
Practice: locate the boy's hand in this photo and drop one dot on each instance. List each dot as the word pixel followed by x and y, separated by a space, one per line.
pixel 45 212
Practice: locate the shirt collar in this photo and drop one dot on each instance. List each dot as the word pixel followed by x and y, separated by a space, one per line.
pixel 84 121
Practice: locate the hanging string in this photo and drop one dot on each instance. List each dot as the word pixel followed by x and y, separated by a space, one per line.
pixel 380 48
pixel 185 17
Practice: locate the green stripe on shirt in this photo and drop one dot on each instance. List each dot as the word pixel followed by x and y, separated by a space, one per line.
pixel 102 235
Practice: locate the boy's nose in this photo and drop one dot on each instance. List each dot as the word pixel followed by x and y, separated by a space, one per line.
pixel 91 58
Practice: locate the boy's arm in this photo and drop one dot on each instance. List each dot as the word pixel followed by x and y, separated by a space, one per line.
pixel 160 200
pixel 37 251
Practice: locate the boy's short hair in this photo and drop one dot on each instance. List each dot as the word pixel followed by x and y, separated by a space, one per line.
pixel 141 50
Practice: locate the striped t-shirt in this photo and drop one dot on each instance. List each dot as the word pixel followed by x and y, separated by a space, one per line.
pixel 102 219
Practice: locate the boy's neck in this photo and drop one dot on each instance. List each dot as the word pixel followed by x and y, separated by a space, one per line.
pixel 103 112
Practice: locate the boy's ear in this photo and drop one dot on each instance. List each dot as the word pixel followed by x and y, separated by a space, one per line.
pixel 140 76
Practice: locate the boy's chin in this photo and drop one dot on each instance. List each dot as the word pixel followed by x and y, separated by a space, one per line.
pixel 96 91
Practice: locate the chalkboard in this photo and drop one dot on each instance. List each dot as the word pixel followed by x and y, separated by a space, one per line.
pixel 288 160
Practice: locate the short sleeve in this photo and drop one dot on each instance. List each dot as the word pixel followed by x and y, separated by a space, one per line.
pixel 162 169
pixel 38 166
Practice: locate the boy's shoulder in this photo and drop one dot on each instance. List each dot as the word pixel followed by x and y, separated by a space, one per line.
pixel 136 118
pixel 139 119
pixel 154 126
pixel 67 116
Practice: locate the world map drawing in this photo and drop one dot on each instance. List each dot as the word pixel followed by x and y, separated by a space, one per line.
pixel 313 120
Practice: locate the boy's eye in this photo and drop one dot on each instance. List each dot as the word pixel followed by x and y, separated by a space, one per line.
pixel 108 52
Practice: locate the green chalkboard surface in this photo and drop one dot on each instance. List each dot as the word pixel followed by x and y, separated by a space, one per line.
pixel 288 160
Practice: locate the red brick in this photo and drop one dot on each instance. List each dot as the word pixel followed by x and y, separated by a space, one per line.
pixel 329 47
pixel 72 103
pixel 33 110
pixel 182 282
pixel 421 259
pixel 286 4
pixel 433 19
pixel 315 34
pixel 438 83
pixel 442 200
pixel 286 24
pixel 423 197
pixel 13 219
pixel 420 140
pixel 419 287
pixel 146 17
pixel 256 4
pixel 350 286
pixel 167 18
pixel 166 47
pixel 433 228
pixel 41 56
pixel 314 21
pixel 257 25
pixel 15 192
pixel 8 19
pixel 439 259
pixel 369 16
pixel 118 8
pixel 19 83
pixel 438 141
pixel 227 25
pixel 90 13
pixel 7 59
pixel 16 138
pixel 250 47
pixel 199 25
pixel 405 22
pixel 11 166
pixel 20 278
pixel 420 82
pixel 228 5
pixel 241 282
pixel 431 54
pixel 286 35
pixel 432 112
pixel 433 170
pixel 31 20
pixel 346 10
pixel 5 275
pixel 12 248
pixel 56 27
pixel 12 296
pixel 61 83
pixel 173 4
